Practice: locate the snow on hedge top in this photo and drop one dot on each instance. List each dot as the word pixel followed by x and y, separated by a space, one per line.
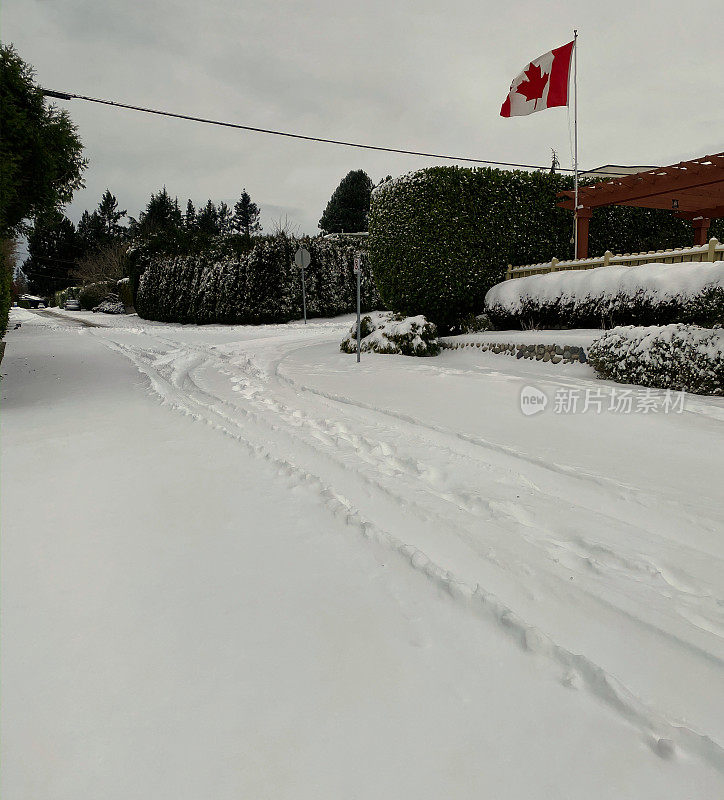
pixel 709 340
pixel 663 281
pixel 409 177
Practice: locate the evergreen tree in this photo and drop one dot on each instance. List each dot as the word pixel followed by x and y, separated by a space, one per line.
pixel 40 153
pixel 224 218
pixel 246 216
pixel 109 216
pixel 161 216
pixel 190 218
pixel 52 253
pixel 41 161
pixel 90 232
pixel 207 220
pixel 348 207
pixel 101 228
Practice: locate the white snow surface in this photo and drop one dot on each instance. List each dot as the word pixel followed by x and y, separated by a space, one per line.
pixel 663 281
pixel 235 563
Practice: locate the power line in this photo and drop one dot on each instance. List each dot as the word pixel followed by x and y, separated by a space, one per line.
pixel 69 96
pixel 50 258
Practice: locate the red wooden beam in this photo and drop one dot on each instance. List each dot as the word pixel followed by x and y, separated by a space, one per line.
pixel 686 174
pixel 714 212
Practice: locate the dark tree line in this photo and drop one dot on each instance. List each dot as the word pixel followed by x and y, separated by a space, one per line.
pixel 61 254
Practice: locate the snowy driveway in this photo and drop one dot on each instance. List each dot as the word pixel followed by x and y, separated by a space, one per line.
pixel 368 581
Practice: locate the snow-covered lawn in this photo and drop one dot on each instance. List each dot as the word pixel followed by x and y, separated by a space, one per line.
pixel 235 563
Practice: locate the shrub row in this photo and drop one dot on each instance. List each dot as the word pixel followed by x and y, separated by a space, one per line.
pixel 650 294
pixel 678 357
pixel 393 334
pixel 260 286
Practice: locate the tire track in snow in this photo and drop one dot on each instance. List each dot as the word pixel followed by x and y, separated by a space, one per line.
pixel 392 463
pixel 181 365
pixel 625 491
pixel 706 619
pixel 662 734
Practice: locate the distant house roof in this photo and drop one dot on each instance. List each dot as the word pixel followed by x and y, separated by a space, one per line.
pixel 613 170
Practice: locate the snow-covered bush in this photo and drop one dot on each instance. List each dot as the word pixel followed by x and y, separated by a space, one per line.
pixel 112 304
pixel 261 285
pixel 390 333
pixel 650 294
pixel 679 357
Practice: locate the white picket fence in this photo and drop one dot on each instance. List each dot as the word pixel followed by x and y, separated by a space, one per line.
pixel 713 251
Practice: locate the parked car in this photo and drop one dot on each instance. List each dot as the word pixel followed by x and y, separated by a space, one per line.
pixel 72 305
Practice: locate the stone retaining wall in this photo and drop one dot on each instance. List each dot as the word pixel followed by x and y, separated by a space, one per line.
pixel 554 353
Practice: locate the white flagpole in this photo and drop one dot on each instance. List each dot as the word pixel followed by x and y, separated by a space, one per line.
pixel 575 143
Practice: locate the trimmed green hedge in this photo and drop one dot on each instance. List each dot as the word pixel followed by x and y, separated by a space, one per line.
pixel 678 357
pixel 262 285
pixel 439 238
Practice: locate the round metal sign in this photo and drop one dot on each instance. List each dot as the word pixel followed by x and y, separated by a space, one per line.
pixel 302 257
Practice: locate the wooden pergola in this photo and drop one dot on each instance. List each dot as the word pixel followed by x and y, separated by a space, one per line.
pixel 693 190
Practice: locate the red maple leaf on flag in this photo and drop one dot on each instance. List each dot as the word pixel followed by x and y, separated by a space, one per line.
pixel 534 86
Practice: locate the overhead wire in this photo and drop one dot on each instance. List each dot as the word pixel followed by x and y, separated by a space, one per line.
pixel 70 96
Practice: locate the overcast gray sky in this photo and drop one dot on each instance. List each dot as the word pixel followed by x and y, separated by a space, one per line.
pixel 418 75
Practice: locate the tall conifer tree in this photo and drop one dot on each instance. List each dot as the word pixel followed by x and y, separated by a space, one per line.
pixel 190 218
pixel 349 206
pixel 246 216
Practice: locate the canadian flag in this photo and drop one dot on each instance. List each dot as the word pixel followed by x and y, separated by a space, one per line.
pixel 542 84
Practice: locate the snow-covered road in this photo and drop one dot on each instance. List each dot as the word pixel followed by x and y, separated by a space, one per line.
pixel 376 580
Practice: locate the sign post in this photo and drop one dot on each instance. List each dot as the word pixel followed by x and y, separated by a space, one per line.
pixel 302 259
pixel 358 272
